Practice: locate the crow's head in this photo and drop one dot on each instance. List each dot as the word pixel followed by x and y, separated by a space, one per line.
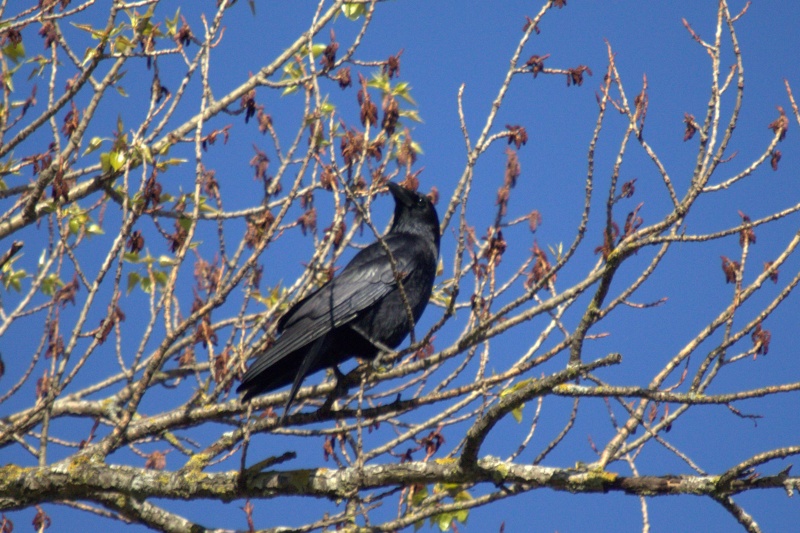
pixel 414 213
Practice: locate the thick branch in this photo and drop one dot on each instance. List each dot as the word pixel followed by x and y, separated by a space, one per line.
pixel 24 487
pixel 536 387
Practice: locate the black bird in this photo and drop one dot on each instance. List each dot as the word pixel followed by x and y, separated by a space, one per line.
pixel 360 312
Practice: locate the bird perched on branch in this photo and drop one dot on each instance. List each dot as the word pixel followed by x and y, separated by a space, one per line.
pixel 362 311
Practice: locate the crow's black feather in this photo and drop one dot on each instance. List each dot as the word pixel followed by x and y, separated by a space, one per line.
pixel 359 310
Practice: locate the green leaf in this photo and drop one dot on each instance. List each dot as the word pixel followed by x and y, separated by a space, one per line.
pixel 172 23
pixel 326 108
pixel 403 90
pixel 14 281
pixel 318 49
pixel 8 79
pixel 354 11
pixel 96 34
pixel 401 87
pixel 517 413
pixel 133 280
pixel 15 52
pixel 94 144
pixel 146 283
pixel 166 163
pixel 516 387
pixel 131 257
pixel 463 514
pixel 94 229
pixel 9 166
pixel 48 206
pixel 144 151
pixel 290 89
pixel 50 283
pixel 88 55
pixel 205 208
pixel 443 521
pixel 41 62
pixel 165 260
pixel 256 295
pixel 291 71
pixel 75 225
pixel 121 90
pixel 116 160
pixel 143 23
pixel 452 488
pixel 380 81
pixel 160 277
pixel 411 114
pixel 122 45
pixel 419 496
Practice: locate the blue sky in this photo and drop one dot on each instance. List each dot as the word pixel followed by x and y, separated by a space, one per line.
pixel 449 43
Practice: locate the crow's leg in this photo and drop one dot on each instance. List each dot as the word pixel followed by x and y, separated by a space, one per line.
pixel 338 391
pixel 383 350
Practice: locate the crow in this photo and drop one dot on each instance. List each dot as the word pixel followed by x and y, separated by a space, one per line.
pixel 361 312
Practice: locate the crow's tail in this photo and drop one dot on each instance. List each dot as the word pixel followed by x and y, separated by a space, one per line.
pixel 309 361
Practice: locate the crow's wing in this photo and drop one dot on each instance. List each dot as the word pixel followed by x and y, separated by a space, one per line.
pixel 367 279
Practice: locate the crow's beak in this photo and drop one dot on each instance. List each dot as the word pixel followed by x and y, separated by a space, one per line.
pixel 401 194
